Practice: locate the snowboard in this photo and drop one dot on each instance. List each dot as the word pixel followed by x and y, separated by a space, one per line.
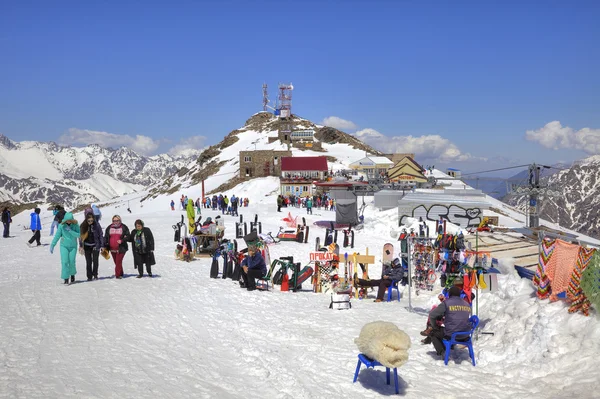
pixel 388 254
pixel 225 265
pixel 303 275
pixel 214 267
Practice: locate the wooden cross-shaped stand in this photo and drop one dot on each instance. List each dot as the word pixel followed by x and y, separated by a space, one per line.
pixel 366 260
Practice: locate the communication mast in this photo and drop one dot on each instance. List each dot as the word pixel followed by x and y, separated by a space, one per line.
pixel 265 97
pixel 285 100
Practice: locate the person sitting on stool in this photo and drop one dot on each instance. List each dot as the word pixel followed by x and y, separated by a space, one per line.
pixel 253 267
pixel 456 312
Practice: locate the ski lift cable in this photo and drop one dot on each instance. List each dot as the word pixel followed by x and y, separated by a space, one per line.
pixel 496 170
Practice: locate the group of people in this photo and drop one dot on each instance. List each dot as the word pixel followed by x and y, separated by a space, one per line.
pixel 227 206
pixel 308 202
pixel 91 241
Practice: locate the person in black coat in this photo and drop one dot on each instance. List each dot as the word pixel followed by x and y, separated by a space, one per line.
pixel 91 241
pixel 143 248
pixel 6 221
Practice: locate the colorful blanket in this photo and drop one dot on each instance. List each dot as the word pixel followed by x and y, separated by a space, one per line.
pixel 540 280
pixel 560 267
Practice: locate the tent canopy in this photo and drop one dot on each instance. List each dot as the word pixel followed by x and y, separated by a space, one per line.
pixel 346 211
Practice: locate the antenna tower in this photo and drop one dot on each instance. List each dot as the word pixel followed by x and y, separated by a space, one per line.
pixel 265 97
pixel 285 100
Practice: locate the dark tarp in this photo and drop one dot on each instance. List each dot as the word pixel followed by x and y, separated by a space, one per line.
pixel 346 211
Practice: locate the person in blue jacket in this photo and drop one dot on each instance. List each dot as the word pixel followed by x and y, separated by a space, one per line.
pixel 97 213
pixel 68 233
pixel 253 267
pixel 36 227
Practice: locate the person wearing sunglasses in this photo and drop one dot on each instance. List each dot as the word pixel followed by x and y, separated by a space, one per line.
pixel 91 241
pixel 115 241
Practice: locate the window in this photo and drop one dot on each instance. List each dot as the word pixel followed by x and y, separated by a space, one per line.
pixel 247 159
pixel 247 172
pixel 304 188
pixel 275 160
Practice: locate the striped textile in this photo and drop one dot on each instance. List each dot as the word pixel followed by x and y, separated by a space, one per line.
pixel 541 280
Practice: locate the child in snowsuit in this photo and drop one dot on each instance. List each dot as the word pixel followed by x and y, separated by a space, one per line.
pixel 68 233
pixel 172 205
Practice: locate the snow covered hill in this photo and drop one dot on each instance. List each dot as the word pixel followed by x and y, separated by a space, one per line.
pixel 577 206
pixel 219 164
pixel 36 172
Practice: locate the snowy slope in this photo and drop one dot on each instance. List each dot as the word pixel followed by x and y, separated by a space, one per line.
pixel 254 135
pixel 182 334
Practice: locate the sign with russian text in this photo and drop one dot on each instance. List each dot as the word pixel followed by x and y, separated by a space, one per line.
pixel 321 256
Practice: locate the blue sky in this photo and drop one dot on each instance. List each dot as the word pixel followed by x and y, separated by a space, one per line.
pixel 457 82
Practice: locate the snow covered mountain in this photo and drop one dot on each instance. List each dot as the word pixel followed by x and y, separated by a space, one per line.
pixel 39 172
pixel 577 206
pixel 218 165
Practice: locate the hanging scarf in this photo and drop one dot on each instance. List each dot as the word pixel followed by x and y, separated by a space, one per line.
pixel 140 241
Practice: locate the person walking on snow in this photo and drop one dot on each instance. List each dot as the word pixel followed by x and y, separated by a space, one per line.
pixel 198 206
pixel 115 240
pixel 55 222
pixel 68 233
pixel 91 241
pixel 97 213
pixel 309 205
pixel 143 248
pixel 172 205
pixel 36 227
pixel 6 221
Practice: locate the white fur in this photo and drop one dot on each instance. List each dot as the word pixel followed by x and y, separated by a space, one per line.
pixel 384 342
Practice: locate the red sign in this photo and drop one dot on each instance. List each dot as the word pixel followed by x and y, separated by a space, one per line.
pixel 321 256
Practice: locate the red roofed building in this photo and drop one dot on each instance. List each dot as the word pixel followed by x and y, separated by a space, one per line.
pixel 298 174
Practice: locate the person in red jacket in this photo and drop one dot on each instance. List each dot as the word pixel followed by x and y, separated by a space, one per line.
pixel 115 239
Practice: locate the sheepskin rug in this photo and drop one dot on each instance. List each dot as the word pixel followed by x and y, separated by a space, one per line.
pixel 384 342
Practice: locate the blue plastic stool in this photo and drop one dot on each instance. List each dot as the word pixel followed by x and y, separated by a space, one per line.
pixel 390 290
pixel 372 363
pixel 474 320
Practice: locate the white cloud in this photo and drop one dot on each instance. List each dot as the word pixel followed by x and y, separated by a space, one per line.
pixel 339 123
pixel 555 136
pixel 188 146
pixel 140 144
pixel 426 148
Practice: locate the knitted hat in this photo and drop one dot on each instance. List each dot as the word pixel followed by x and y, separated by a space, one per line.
pixel 454 291
pixel 139 221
